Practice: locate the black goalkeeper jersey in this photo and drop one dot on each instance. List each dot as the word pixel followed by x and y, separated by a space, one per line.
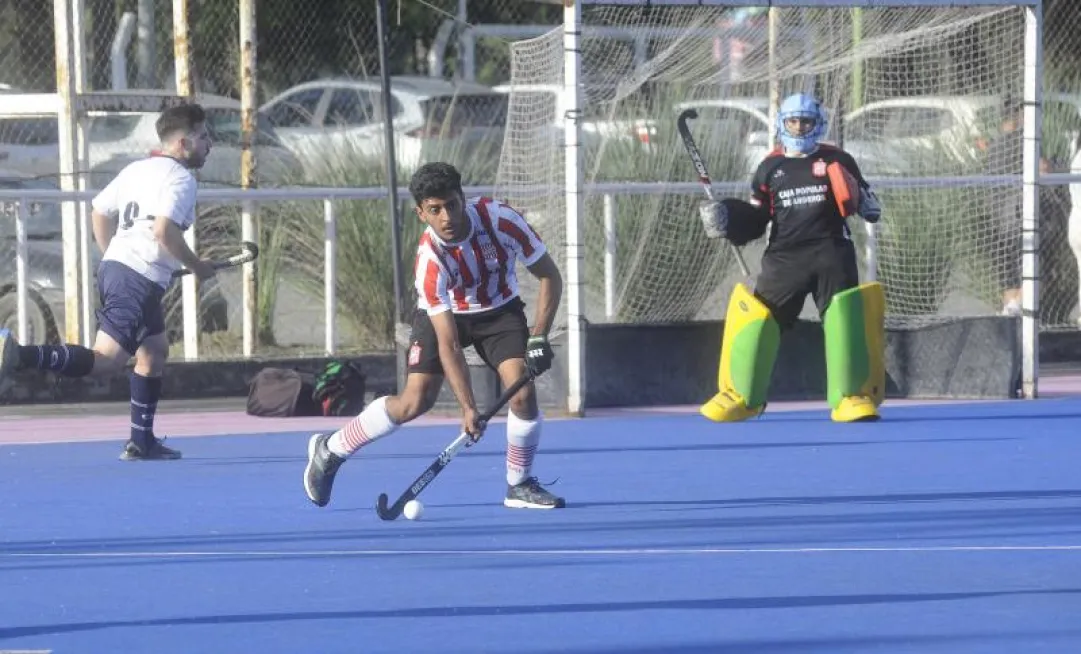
pixel 796 193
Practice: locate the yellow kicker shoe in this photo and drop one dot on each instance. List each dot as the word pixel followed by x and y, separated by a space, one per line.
pixel 856 408
pixel 728 406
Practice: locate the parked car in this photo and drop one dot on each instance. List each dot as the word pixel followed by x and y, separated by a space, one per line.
pixel 330 118
pixel 921 135
pixel 45 272
pixel 29 144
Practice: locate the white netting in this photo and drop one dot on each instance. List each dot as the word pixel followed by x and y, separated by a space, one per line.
pixel 911 92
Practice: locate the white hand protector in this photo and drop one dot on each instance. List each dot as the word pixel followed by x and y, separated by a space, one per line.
pixel 870 208
pixel 714 217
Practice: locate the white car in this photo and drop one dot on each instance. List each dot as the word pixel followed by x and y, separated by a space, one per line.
pixel 326 122
pixel 29 144
pixel 919 135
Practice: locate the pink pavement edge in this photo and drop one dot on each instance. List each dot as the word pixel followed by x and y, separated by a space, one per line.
pixel 187 424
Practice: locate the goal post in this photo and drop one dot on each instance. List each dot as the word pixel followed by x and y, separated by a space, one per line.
pixel 589 79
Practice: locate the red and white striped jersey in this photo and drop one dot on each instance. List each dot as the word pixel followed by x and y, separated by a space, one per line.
pixel 477 273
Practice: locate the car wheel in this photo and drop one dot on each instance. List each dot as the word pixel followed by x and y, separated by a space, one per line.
pixel 39 321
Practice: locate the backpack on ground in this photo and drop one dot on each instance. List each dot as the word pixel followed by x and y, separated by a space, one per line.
pixel 282 393
pixel 339 389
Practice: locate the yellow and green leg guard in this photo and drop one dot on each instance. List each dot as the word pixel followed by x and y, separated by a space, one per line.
pixel 854 325
pixel 748 352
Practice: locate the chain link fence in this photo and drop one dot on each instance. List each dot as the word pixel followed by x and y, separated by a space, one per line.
pixel 129 45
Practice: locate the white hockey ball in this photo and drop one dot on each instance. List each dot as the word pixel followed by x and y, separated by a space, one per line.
pixel 413 510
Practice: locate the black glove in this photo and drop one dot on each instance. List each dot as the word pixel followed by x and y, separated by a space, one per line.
pixel 538 355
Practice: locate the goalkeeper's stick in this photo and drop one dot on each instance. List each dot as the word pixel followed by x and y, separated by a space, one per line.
pixel 248 252
pixel 445 457
pixel 703 174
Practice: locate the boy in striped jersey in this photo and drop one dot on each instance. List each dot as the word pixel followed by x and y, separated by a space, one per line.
pixel 467 294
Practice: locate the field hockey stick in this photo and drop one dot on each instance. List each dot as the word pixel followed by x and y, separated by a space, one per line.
pixel 445 457
pixel 703 174
pixel 248 252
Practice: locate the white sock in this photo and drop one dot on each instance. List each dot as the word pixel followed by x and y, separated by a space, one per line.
pixel 372 424
pixel 522 439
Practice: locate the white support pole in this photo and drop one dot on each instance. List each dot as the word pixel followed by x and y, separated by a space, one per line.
pixel 118 52
pixel 330 275
pixel 82 165
pixel 65 87
pixel 248 228
pixel 870 252
pixel 773 18
pixel 575 291
pixel 1030 204
pixel 610 245
pixel 189 285
pixel 21 261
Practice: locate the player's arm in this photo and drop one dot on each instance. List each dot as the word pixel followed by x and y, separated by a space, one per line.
pixel 168 234
pixel 738 221
pixel 527 245
pixel 549 294
pixel 452 358
pixel 105 214
pixel 174 210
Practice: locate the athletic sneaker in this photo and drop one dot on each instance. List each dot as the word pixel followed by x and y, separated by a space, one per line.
pixel 155 451
pixel 322 466
pixel 531 495
pixel 9 355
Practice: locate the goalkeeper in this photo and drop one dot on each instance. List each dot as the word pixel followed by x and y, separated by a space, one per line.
pixel 804 191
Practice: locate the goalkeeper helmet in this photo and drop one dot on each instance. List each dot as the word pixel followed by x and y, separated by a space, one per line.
pixel 801 122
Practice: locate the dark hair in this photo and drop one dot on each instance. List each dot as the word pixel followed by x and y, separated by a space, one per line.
pixel 435 180
pixel 182 118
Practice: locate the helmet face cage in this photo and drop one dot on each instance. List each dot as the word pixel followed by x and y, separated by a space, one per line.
pixel 810 123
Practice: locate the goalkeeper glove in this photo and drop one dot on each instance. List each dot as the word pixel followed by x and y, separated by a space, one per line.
pixel 870 208
pixel 714 217
pixel 538 355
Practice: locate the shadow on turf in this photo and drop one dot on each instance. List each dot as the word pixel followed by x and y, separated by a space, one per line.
pixel 992 520
pixel 615 448
pixel 830 645
pixel 502 611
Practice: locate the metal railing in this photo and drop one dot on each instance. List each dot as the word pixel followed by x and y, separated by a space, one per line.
pixel 327 195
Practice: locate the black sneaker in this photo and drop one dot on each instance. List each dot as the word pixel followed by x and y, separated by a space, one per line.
pixel 154 451
pixel 322 466
pixel 531 495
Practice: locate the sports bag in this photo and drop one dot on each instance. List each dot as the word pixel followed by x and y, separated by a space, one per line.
pixel 339 389
pixel 282 393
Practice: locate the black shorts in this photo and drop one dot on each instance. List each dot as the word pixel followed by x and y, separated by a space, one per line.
pixel 821 268
pixel 496 335
pixel 131 307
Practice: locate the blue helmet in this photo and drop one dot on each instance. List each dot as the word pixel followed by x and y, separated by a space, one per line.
pixel 802 105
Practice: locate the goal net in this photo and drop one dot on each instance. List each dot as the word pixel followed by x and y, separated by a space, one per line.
pixel 917 94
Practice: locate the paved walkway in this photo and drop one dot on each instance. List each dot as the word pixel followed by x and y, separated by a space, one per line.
pixel 188 418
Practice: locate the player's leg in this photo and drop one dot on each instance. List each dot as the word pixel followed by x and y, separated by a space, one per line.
pixel 752 331
pixel 500 340
pixel 67 359
pixel 424 378
pixel 114 346
pixel 853 322
pixel 146 382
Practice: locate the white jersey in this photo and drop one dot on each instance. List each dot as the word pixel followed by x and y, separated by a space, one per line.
pixel 155 187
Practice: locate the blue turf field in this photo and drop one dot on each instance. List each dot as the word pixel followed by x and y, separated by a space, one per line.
pixel 940 529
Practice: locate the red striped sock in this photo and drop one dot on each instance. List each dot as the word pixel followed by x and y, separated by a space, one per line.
pixel 372 424
pixel 523 436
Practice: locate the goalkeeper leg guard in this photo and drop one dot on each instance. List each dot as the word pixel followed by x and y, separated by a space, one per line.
pixel 748 352
pixel 855 344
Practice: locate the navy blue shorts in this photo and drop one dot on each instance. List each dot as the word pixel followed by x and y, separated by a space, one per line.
pixel 130 305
